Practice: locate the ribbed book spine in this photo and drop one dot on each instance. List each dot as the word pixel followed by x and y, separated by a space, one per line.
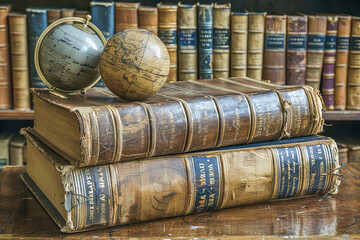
pixel 103 16
pixel 353 91
pixel 221 45
pixel 5 78
pixel 239 35
pixel 19 61
pixel 37 22
pixel 328 76
pixel 148 19
pixel 255 54
pixel 341 64
pixel 187 42
pixel 296 49
pixel 168 34
pixel 205 41
pixel 53 15
pixel 126 16
pixel 274 49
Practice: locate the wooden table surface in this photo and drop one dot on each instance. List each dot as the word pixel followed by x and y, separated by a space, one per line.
pixel 337 216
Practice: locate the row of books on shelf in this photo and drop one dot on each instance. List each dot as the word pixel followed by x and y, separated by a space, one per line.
pixel 12 148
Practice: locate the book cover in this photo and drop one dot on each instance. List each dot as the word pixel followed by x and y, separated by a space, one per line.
pixel 238 51
pixel 5 77
pixel 148 18
pixel 126 16
pixel 103 16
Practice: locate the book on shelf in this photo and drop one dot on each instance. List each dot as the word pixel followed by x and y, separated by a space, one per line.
pixel 5 78
pixel 328 75
pixel 67 12
pixel 148 18
pixel 167 32
pixel 17 150
pixel 341 63
pixel 5 138
pixel 297 25
pixel 53 14
pixel 103 16
pixel 343 154
pixel 221 40
pixel 19 61
pixel 126 16
pixel 205 41
pixel 82 13
pixel 81 199
pixel 350 141
pixel 187 41
pixel 98 127
pixel 238 46
pixel 353 81
pixel 274 49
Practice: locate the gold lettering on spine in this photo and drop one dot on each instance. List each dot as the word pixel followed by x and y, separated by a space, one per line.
pixel 90 194
pixel 102 196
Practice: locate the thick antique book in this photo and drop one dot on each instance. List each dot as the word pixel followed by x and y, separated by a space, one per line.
pixel 37 22
pixel 296 49
pixel 81 199
pixel 255 44
pixel 19 61
pixel 126 16
pixel 187 42
pixel 148 18
pixel 167 32
pixel 328 75
pixel 341 63
pixel 238 46
pixel 5 78
pixel 53 14
pixel 99 127
pixel 353 81
pixel 315 49
pixel 221 44
pixel 103 16
pixel 205 41
pixel 5 138
pixel 274 49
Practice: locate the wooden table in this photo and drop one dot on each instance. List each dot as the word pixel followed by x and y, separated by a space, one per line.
pixel 337 216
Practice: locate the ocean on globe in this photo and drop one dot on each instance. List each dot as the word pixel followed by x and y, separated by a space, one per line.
pixel 69 56
pixel 134 64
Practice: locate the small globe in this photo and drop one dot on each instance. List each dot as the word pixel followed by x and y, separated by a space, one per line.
pixel 134 64
pixel 68 55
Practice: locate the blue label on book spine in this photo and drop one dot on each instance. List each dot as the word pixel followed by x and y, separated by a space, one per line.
pixel 275 42
pixel 207 185
pixel 330 42
pixel 316 42
pixel 296 42
pixel 187 39
pixel 221 38
pixel 355 43
pixel 343 43
pixel 168 36
pixel 205 38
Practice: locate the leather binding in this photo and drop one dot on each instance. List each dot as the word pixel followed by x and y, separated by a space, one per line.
pixel 126 16
pixel 205 41
pixel 19 61
pixel 341 64
pixel 274 49
pixel 353 84
pixel 53 14
pixel 83 14
pixel 167 17
pixel 296 49
pixel 5 78
pixel 328 75
pixel 255 44
pixel 221 44
pixel 238 51
pixel 183 116
pixel 187 32
pixel 315 49
pixel 103 16
pixel 131 192
pixel 148 19
pixel 37 22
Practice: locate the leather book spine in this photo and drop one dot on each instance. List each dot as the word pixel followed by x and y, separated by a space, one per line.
pixel 167 20
pixel 103 16
pixel 83 14
pixel 238 51
pixel 5 78
pixel 205 41
pixel 315 50
pixel 328 76
pixel 221 44
pixel 126 16
pixel 296 49
pixel 341 64
pixel 53 15
pixel 187 31
pixel 67 12
pixel 274 49
pixel 148 19
pixel 19 61
pixel 255 45
pixel 36 22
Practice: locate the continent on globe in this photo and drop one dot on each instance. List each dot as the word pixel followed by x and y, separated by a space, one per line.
pixel 69 56
pixel 134 64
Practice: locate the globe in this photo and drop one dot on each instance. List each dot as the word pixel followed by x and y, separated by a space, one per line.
pixel 134 64
pixel 67 55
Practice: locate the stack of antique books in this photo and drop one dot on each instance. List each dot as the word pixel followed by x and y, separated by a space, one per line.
pixel 95 160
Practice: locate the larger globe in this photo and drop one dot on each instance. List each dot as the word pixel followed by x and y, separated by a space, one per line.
pixel 134 64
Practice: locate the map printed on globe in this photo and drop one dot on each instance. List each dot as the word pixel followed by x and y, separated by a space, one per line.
pixel 69 56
